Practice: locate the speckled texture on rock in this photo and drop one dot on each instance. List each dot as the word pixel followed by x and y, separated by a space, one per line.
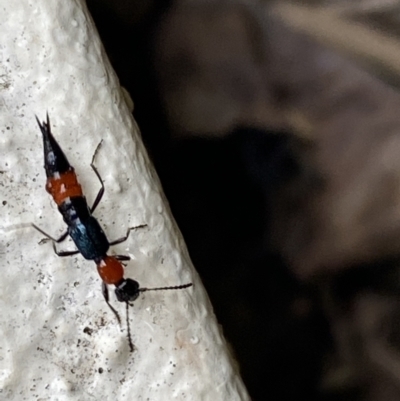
pixel 52 60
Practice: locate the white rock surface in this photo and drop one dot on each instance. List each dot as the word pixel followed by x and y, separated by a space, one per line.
pixel 59 340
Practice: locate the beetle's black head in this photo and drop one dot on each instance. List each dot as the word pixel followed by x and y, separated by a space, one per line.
pixel 127 290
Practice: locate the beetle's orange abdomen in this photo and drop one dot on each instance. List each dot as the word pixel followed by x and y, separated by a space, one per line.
pixel 111 270
pixel 66 186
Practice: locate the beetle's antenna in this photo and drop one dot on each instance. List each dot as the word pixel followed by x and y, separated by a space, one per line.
pixel 131 346
pixel 178 287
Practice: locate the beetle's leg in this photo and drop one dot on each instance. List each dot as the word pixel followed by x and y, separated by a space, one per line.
pixel 104 290
pixel 49 237
pixel 123 239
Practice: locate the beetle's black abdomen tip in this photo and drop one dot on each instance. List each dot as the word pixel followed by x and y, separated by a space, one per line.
pixel 54 158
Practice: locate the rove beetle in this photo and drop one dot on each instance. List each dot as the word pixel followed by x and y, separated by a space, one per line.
pixel 84 229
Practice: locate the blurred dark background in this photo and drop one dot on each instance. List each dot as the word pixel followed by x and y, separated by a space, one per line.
pixel 279 156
